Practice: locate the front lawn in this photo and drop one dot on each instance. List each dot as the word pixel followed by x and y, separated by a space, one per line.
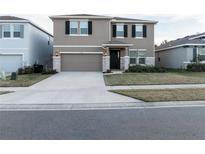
pixel 154 78
pixel 23 80
pixel 156 95
pixel 4 92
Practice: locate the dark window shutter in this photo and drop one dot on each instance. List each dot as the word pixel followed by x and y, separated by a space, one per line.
pixel 67 27
pixel 144 31
pixel 113 30
pixel 22 31
pixel 125 30
pixel 90 27
pixel 0 31
pixel 133 31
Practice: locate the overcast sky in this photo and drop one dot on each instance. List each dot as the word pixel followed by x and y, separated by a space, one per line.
pixel 177 18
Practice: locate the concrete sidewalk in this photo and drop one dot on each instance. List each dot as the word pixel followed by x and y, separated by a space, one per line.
pixel 182 86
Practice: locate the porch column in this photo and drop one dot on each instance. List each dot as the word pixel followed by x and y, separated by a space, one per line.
pixel 57 62
pixel 126 59
pixel 106 60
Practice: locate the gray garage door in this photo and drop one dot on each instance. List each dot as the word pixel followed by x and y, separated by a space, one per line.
pixel 81 62
pixel 10 63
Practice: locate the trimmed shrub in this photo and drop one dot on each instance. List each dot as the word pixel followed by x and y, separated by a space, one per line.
pixel 49 71
pixel 28 70
pixel 20 71
pixel 146 69
pixel 13 76
pixel 196 67
pixel 37 68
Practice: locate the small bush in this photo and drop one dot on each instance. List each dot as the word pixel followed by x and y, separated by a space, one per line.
pixel 146 69
pixel 196 67
pixel 13 76
pixel 28 70
pixel 49 71
pixel 20 71
pixel 37 68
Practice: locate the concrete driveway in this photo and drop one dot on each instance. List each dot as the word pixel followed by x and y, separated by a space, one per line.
pixel 67 88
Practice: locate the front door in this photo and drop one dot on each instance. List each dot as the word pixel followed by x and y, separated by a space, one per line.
pixel 115 59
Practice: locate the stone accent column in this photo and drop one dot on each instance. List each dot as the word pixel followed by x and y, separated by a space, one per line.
pixel 57 63
pixel 106 63
pixel 150 61
pixel 126 62
pixel 122 63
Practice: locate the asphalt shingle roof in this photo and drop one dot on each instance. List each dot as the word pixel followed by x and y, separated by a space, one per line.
pixel 10 18
pixel 185 40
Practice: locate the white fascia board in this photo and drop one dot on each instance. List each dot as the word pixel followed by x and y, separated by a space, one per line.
pixel 177 46
pixel 134 21
pixel 76 46
pixel 192 38
pixel 115 45
pixel 80 17
pixel 81 52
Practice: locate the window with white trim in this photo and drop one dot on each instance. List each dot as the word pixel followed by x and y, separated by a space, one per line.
pixel 120 30
pixel 17 31
pixel 139 31
pixel 137 56
pixel 73 27
pixel 6 31
pixel 201 54
pixel 84 27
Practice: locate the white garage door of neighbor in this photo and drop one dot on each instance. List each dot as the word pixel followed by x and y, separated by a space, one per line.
pixel 10 63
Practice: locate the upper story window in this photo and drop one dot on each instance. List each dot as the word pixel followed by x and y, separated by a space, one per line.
pixel 84 27
pixel 78 28
pixel 17 31
pixel 120 30
pixel 139 31
pixel 6 29
pixel 73 27
pixel 12 31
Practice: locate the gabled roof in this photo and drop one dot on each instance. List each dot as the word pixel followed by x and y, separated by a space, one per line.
pixel 5 19
pixel 132 20
pixel 197 39
pixel 114 19
pixel 10 18
pixel 80 16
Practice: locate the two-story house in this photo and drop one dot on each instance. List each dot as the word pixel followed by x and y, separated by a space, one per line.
pixel 85 42
pixel 23 43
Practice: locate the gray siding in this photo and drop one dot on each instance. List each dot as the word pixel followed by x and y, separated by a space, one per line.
pixel 174 58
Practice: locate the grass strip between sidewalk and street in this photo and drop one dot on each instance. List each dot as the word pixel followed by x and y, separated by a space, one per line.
pixel 5 92
pixel 23 80
pixel 159 95
pixel 154 78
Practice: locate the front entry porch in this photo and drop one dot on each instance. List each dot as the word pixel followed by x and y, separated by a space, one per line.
pixel 115 56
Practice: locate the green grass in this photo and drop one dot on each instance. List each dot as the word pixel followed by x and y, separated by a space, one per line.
pixel 156 95
pixel 154 78
pixel 4 92
pixel 23 80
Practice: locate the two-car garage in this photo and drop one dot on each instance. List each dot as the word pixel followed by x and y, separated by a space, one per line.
pixel 81 62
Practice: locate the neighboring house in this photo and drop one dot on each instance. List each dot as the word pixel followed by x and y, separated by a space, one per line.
pixel 85 42
pixel 23 43
pixel 180 52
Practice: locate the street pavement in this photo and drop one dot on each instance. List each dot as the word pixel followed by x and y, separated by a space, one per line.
pixel 141 123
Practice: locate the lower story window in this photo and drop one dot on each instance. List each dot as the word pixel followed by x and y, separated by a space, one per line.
pixel 137 57
pixel 201 54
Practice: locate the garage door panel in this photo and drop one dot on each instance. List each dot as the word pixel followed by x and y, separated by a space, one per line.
pixel 81 62
pixel 10 63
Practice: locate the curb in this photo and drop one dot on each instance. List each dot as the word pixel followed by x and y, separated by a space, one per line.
pixel 100 106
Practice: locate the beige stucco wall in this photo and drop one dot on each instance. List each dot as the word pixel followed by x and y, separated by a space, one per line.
pixel 144 43
pixel 100 33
